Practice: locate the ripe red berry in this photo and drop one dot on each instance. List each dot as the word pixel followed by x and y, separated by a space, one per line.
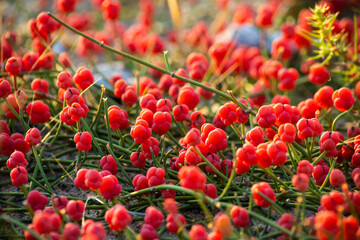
pixel 148 232
pixel 33 136
pixel 18 176
pixel 277 152
pixel 197 119
pixel 148 101
pixel 255 136
pixel 343 99
pixel 264 16
pixel 16 159
pixel 83 78
pixel 191 177
pixel 198 232
pixel 247 154
pixel 216 140
pixel 155 176
pixel 36 200
pixel 285 114
pixel 215 161
pixel 161 122
pixel 337 178
pixel 328 141
pixel 72 95
pixel 326 223
pixel 280 99
pixel 92 229
pixel 323 97
pixel 13 66
pixel 150 145
pixel 308 108
pixel 120 86
pixel 301 182
pixel 188 97
pixel 240 216
pixel 287 78
pixel 40 87
pixel 38 111
pixel 223 225
pixel 138 159
pixel 140 182
pixel 83 141
pixel 153 216
pixel 266 116
pixel 64 80
pixel 71 231
pixel 7 145
pixel 174 222
pixel 76 112
pixel 45 222
pixel 110 187
pixel 228 113
pixel 75 209
pixel 305 167
pixel 118 118
pixel 287 132
pixel 60 202
pixel 165 83
pixel 319 174
pixel 108 163
pixel 265 189
pixel 111 9
pixel 66 5
pixel 5 88
pixel 281 49
pixel 140 131
pixel 263 157
pixel 118 217
pixel 93 179
pixel 191 157
pixel 318 74
pixel 181 113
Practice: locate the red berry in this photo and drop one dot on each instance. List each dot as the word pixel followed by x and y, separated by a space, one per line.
pixel 305 167
pixel 118 119
pixel 36 200
pixel 83 78
pixel 240 216
pixel 118 217
pixel 72 95
pixel 38 111
pixel 180 113
pixel 161 122
pixel 110 187
pixel 5 88
pixel 40 86
pixel 93 230
pixel 215 161
pixel 16 159
pixel 111 9
pixel 83 141
pixel 155 176
pixel 138 159
pixel 266 116
pixel 228 113
pixel 308 108
pixel 197 119
pixel 75 209
pixel 264 16
pixel 188 97
pixel 66 5
pixel 223 225
pixel 120 87
pixel 140 182
pixel 64 80
pixel 281 49
pixel 318 74
pixel 210 191
pixel 323 97
pixel 337 178
pixel 165 83
pixel 60 202
pixel 174 222
pixel 13 66
pixel 198 232
pixel 266 190
pixel 277 152
pixel 140 131
pixel 216 140
pixel 7 145
pixel 287 78
pixel 328 141
pixel 33 136
pixel 343 99
pixel 148 232
pixel 153 217
pixel 18 176
pixel 76 112
pixel 300 182
pixel 191 177
pixel 45 222
pixel 280 99
pixel 247 154
pixel 93 179
pixel 287 132
pixel 71 231
pixel 150 145
pixel 255 136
